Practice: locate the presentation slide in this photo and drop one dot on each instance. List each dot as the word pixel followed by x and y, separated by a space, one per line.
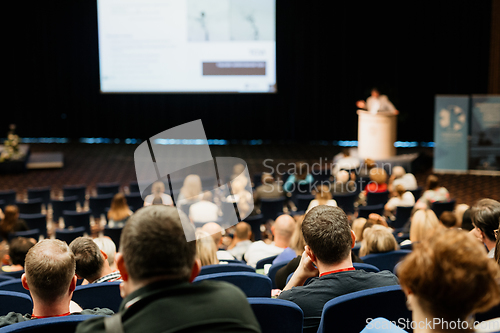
pixel 187 46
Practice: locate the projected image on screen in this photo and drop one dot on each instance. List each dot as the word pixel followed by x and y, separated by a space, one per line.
pixel 187 45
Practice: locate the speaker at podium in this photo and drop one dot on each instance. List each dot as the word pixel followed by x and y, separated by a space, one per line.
pixel 377 134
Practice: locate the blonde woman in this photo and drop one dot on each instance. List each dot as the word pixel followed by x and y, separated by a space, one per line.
pixel 191 191
pixel 358 227
pixel 206 250
pixel 377 239
pixel 158 195
pixel 119 212
pixel 323 197
pixel 423 224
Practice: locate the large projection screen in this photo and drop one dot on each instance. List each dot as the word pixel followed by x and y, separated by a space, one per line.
pixel 187 46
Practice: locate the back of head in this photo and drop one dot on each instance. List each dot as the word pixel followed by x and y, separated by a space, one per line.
pixel 400 189
pixel 207 196
pixel 88 257
pixel 432 182
pixel 357 227
pixel 377 239
pixel 191 187
pixel 323 194
pixel 213 229
pixel 107 246
pixel 486 216
pixel 243 231
pixel 153 244
pixel 267 178
pixel 50 268
pixel 398 171
pixel 206 250
pixel 448 219
pixel 450 275
pixel 11 215
pixel 119 209
pixel 342 176
pixel 158 187
pixel 423 224
pixel 467 220
pixel 378 175
pixel 327 232
pixel 284 226
pixel 301 170
pixel 18 249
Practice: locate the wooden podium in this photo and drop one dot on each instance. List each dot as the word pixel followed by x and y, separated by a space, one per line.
pixel 376 135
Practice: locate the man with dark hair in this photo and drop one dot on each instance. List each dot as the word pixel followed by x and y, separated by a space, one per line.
pixel 91 263
pixel 18 249
pixel 485 218
pixel 157 265
pixel 327 260
pixel 50 278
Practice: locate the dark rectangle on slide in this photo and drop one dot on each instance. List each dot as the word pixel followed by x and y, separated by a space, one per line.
pixel 234 68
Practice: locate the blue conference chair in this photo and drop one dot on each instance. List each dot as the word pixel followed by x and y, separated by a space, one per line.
pixel 377 198
pixel 40 193
pixel 303 201
pixel 99 295
pixel 269 260
pixel 77 219
pixel 58 206
pixel 8 196
pixel 68 235
pixel 107 188
pixel 366 267
pixel 270 208
pixel 273 269
pixel 277 315
pixel 346 201
pixel 11 301
pixel 443 206
pixel 134 200
pixel 348 313
pixel 36 221
pixel 232 261
pixel 114 234
pixel 252 284
pixel 99 204
pixel 403 214
pixel 417 193
pixel 134 187
pixel 53 325
pixel 4 278
pixel 14 285
pixel 225 268
pixel 365 211
pixel 80 191
pixel 385 261
pixel 33 206
pixel 32 233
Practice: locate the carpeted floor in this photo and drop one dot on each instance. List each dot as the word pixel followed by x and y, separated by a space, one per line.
pixel 92 164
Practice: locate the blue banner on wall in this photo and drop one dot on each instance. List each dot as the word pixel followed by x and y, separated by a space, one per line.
pixel 485 133
pixel 451 128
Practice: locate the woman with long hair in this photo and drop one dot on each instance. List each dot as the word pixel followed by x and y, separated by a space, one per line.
pixel 11 222
pixel 158 195
pixel 434 192
pixel 206 250
pixel 119 212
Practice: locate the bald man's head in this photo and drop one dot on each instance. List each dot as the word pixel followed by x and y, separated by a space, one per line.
pixel 243 231
pixel 283 229
pixel 214 230
pixel 398 171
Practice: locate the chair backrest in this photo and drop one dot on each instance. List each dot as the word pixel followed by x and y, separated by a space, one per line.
pixel 403 214
pixel 443 206
pixel 134 200
pixel 114 234
pixel 75 190
pixel 53 325
pixel 365 267
pixel 33 206
pixel 270 208
pixel 134 187
pixel 107 188
pixel 255 222
pixel 68 235
pixel 36 221
pixel 11 301
pixel 303 201
pixel 268 260
pixel 346 201
pixel 15 285
pixel 39 193
pixel 277 315
pixel 273 269
pixel 348 313
pixel 252 284
pixel 8 196
pixel 99 204
pixel 4 278
pixel 32 233
pixel 224 268
pixel 98 295
pixel 385 261
pixel 364 211
pixel 77 219
pixel 377 198
pixel 417 193
pixel 58 206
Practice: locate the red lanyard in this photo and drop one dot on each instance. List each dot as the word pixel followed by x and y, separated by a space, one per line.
pixel 338 270
pixel 40 317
